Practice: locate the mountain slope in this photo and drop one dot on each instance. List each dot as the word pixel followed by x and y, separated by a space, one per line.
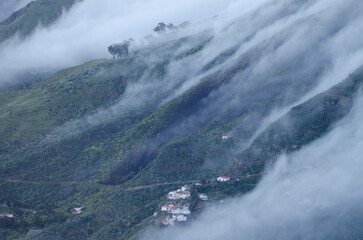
pixel 115 135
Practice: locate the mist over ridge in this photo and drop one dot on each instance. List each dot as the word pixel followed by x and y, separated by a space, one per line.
pixel 267 92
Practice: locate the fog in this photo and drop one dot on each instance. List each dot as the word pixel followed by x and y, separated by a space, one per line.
pixel 308 38
pixel 312 194
pixel 311 45
pixel 85 32
pixel 7 7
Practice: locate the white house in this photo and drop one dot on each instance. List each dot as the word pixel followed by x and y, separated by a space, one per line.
pixel 180 217
pixel 9 215
pixel 167 208
pixel 168 221
pixel 174 195
pixel 180 210
pixel 223 179
pixel 203 197
pixel 77 210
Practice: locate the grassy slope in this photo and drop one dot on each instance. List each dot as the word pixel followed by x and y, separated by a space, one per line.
pixel 25 20
pixel 31 113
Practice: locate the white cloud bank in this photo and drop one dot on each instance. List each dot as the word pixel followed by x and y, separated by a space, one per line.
pixel 315 193
pixel 91 25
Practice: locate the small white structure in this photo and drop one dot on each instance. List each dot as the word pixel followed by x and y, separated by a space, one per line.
pixel 225 137
pixel 198 184
pixel 184 188
pixel 179 218
pixel 167 208
pixel 9 215
pixel 223 179
pixel 168 221
pixel 203 197
pixel 180 210
pixel 77 210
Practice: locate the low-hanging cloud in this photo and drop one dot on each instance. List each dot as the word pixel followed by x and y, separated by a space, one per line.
pixel 312 194
pixel 316 51
pixel 90 26
pixel 301 53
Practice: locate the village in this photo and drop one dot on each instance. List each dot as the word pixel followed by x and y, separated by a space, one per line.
pixel 176 209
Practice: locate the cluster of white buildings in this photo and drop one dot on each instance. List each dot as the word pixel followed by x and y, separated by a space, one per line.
pixel 178 212
pixel 182 193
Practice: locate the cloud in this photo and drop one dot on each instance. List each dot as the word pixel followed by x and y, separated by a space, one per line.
pixel 300 36
pixel 306 36
pixel 90 26
pixel 312 194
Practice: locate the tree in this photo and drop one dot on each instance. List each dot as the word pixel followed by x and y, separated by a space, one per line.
pixel 119 49
pixel 171 27
pixel 160 27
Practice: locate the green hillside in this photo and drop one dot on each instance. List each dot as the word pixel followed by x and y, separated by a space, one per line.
pixel 116 135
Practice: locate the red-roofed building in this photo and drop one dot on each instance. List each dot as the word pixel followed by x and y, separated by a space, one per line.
pixel 77 210
pixel 9 215
pixel 223 179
